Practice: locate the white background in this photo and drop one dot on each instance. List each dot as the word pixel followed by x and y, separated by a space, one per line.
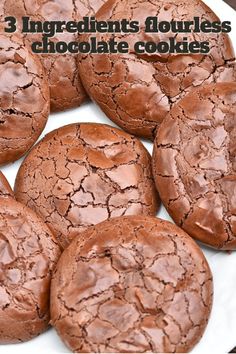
pixel 220 335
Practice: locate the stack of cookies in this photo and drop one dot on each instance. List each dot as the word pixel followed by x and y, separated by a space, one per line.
pixel 80 245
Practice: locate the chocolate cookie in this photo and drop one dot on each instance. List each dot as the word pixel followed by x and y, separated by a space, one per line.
pixel 28 254
pixel 136 91
pixel 66 89
pixel 82 174
pixel 5 188
pixel 24 98
pixel 131 285
pixel 194 164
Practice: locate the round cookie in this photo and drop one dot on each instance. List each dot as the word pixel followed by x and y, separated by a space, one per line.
pixel 136 91
pixel 82 174
pixel 28 254
pixel 24 97
pixel 5 188
pixel 66 89
pixel 130 285
pixel 194 164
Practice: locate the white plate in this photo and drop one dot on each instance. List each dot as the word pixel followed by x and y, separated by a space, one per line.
pixel 220 335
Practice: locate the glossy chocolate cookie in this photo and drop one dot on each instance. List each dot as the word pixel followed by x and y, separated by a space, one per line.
pixel 136 91
pixel 131 285
pixel 5 188
pixel 28 254
pixel 194 164
pixel 24 98
pixel 66 89
pixel 82 174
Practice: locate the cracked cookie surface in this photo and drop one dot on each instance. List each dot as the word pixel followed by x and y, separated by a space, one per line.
pixel 129 285
pixel 5 188
pixel 137 91
pixel 24 98
pixel 194 164
pixel 28 254
pixel 66 89
pixel 82 174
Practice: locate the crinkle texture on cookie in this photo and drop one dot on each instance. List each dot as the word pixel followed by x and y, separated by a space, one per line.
pixel 66 89
pixel 24 98
pixel 131 285
pixel 82 174
pixel 28 254
pixel 5 188
pixel 194 164
pixel 136 91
